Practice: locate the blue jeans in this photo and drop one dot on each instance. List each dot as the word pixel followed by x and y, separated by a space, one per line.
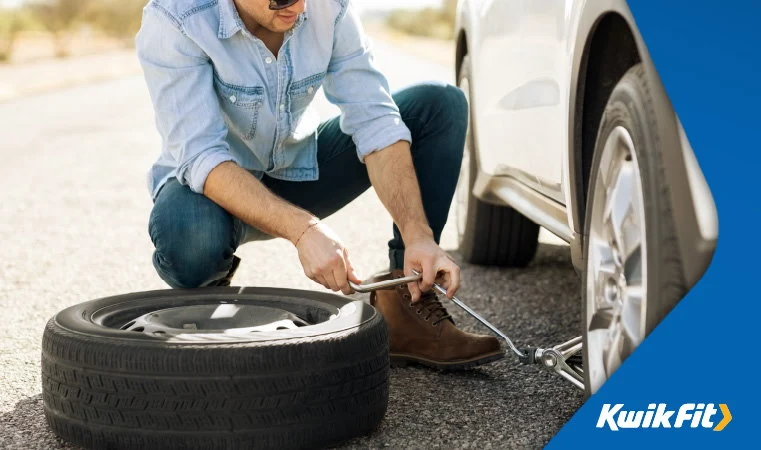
pixel 196 239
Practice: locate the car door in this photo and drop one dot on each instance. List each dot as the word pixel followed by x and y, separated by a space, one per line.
pixel 521 90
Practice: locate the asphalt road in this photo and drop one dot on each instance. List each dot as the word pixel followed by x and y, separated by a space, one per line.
pixel 73 227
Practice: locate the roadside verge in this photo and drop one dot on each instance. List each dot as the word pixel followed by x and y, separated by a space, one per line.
pixel 21 80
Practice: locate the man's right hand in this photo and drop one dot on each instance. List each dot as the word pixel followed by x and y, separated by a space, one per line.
pixel 325 259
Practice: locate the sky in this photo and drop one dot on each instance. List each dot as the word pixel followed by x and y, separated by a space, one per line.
pixel 364 4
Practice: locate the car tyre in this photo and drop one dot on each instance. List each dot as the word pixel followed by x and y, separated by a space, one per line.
pixel 109 384
pixel 489 234
pixel 633 275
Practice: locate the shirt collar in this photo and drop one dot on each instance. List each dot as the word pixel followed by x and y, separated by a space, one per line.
pixel 230 21
pixel 302 17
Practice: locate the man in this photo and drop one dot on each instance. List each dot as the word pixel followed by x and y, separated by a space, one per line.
pixel 244 159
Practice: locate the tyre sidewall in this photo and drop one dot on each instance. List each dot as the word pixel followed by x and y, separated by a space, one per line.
pixel 73 327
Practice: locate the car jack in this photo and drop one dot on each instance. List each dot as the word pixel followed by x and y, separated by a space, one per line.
pixel 564 359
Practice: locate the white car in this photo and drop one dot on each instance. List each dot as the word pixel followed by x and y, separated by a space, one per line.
pixel 571 130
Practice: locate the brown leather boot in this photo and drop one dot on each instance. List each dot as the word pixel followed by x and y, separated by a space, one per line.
pixel 425 333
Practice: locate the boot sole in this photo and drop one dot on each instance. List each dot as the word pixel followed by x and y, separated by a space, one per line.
pixel 401 360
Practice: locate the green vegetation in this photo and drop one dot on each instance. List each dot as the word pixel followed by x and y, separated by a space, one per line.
pixel 115 18
pixel 58 17
pixel 12 23
pixel 9 30
pixel 429 22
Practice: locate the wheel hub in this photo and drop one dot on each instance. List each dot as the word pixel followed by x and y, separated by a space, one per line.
pixel 611 291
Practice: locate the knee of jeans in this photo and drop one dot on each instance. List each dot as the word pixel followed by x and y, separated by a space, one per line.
pixel 446 111
pixel 453 107
pixel 447 101
pixel 191 259
pixel 458 104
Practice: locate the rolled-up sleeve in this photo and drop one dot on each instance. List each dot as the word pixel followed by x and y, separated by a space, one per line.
pixel 179 76
pixel 361 91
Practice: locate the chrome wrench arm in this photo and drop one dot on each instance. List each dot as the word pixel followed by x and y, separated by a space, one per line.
pixel 370 287
pixel 521 355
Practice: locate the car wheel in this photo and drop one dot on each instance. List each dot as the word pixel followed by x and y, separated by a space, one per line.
pixel 215 368
pixel 488 234
pixel 632 276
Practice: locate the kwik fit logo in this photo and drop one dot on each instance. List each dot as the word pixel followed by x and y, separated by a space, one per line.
pixel 688 415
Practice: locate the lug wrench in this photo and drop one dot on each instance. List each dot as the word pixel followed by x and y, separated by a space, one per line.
pixel 563 359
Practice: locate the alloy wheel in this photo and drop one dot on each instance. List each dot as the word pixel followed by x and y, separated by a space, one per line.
pixel 616 272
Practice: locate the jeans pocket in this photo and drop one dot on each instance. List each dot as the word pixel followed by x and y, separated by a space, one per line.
pixel 240 106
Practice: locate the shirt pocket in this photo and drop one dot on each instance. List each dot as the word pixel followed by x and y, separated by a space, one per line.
pixel 240 106
pixel 302 92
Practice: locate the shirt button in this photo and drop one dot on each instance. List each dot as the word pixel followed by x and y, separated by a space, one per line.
pixel 233 98
pixel 282 107
pixel 310 90
pixel 268 60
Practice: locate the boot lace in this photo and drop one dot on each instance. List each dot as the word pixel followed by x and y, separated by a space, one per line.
pixel 430 305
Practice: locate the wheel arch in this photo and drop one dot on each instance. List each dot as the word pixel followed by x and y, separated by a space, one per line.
pixel 609 52
pixel 611 45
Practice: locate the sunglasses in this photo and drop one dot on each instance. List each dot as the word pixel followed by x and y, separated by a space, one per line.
pixel 281 4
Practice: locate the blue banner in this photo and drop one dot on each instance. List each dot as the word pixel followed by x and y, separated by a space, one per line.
pixel 697 369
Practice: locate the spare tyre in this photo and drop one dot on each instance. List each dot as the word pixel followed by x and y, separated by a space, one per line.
pixel 215 368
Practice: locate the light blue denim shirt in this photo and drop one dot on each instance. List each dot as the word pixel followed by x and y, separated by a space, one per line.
pixel 220 95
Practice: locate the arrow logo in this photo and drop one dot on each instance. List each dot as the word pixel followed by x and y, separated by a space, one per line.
pixel 727 417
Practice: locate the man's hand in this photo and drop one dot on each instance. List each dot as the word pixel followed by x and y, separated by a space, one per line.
pixel 325 259
pixel 426 257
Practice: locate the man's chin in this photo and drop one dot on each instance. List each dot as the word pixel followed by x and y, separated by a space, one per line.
pixel 275 28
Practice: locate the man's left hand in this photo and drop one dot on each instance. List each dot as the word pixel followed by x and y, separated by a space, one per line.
pixel 426 257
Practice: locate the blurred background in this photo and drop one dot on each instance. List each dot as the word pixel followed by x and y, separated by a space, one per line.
pixel 54 35
pixel 31 30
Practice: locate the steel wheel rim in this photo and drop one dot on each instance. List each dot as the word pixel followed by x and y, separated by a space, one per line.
pixel 217 318
pixel 225 318
pixel 616 272
pixel 462 192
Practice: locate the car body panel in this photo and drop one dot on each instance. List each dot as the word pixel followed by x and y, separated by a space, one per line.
pixel 528 67
pixel 521 105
